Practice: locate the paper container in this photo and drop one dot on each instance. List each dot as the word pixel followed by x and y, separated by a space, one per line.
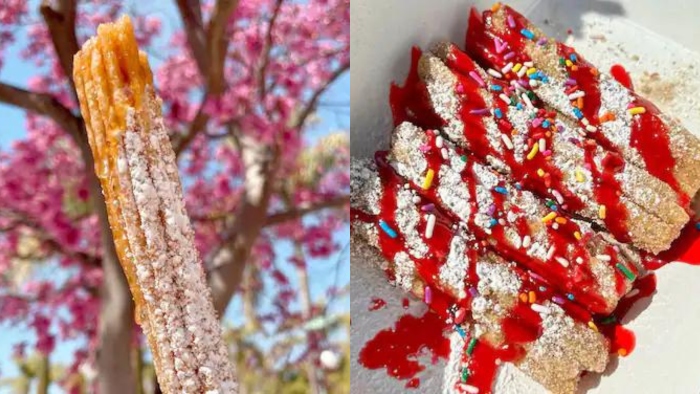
pixel 647 37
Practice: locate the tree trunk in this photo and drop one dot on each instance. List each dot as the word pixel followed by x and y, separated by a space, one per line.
pixel 115 371
pixel 315 386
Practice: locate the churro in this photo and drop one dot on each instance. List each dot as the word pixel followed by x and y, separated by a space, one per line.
pixel 152 233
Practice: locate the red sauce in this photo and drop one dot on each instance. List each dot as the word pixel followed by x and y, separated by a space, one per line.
pixel 650 138
pixel 522 325
pixel 397 349
pixel 405 303
pixel 622 76
pixel 685 249
pixel 376 304
pixel 413 383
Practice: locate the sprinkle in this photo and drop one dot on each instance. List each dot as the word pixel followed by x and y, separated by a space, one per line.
pixel 521 72
pixel 480 111
pixel 629 274
pixel 527 33
pixel 428 295
pixel 637 110
pixel 577 94
pixel 601 211
pixel 511 21
pixel 438 142
pixel 493 222
pixel 558 300
pixel 577 113
pixel 564 262
pixel 609 320
pixel 501 190
pixel 579 260
pixel 460 331
pixel 697 226
pixel 471 346
pixel 507 68
pixel 496 6
pixel 470 389
pixel 543 144
pixel 606 117
pixel 570 82
pixel 499 44
pixel 443 152
pixel 573 57
pixel 550 216
pixel 570 296
pixel 427 207
pixel 494 73
pixel 550 252
pixel 464 158
pixel 387 229
pixel 465 374
pixel 528 63
pixel 523 297
pixel 577 235
pixel 430 227
pixel 505 98
pixel 517 67
pixel 527 101
pixel 540 172
pixel 531 297
pixel 474 292
pixel 496 88
pixel 579 175
pixel 593 326
pixel 428 179
pixel 555 226
pixel 509 56
pixel 558 196
pixel 526 241
pixel 530 71
pixel 568 63
pixel 585 121
pixel 603 257
pixel 560 220
pixel 416 199
pixel 509 143
pixel 542 41
pixel 477 78
pixel 546 123
pixel 533 151
pixel 539 308
pixel 622 352
pixel 591 128
pixel 533 83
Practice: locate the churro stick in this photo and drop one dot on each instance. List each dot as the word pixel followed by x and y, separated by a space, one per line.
pixel 152 233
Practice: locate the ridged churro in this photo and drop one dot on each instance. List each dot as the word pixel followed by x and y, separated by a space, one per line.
pixel 152 233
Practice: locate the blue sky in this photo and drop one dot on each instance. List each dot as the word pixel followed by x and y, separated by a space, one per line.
pixel 333 116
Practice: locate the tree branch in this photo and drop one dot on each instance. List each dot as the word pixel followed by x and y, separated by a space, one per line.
pixel 191 13
pixel 60 21
pixel 217 44
pixel 198 123
pixel 311 104
pixel 228 263
pixel 305 209
pixel 43 104
pixel 267 47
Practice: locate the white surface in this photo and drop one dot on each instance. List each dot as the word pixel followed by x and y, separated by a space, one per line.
pixel 643 35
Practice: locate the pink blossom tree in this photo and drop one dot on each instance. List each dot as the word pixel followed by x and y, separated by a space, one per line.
pixel 240 83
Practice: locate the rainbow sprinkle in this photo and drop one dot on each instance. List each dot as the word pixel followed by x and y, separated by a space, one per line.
pixel 533 151
pixel 428 179
pixel 626 271
pixel 477 78
pixel 387 229
pixel 501 190
pixel 550 216
pixel 636 110
pixel 471 346
pixel 528 34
